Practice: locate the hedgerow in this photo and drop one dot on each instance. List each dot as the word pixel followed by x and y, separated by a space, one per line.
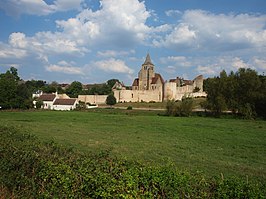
pixel 33 169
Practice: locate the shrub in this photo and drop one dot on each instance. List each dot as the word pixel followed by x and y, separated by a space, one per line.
pixel 111 100
pixel 183 108
pixel 129 108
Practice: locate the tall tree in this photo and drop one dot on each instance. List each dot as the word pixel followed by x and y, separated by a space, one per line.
pixel 74 89
pixel 8 89
pixel 242 92
pixel 13 92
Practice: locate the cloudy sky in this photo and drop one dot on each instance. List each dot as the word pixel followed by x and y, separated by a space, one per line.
pixel 92 41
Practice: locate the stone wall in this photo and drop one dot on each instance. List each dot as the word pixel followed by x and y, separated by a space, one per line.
pixel 138 95
pixel 93 99
pixel 172 92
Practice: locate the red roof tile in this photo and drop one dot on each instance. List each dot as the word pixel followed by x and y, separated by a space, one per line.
pixel 155 79
pixel 47 97
pixel 136 82
pixel 70 101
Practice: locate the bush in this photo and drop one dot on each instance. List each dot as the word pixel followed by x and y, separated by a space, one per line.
pixel 39 104
pixel 129 108
pixel 183 108
pixel 111 100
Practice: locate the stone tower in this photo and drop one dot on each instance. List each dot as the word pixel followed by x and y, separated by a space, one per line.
pixel 146 74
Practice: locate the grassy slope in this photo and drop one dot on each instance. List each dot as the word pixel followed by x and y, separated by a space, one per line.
pixel 212 145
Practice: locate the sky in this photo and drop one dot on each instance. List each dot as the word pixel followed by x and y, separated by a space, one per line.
pixel 92 41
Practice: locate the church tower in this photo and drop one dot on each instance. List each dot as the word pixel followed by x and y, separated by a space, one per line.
pixel 146 74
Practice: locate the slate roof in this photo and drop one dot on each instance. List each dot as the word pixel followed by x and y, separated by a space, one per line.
pixel 70 101
pixel 47 97
pixel 155 79
pixel 148 60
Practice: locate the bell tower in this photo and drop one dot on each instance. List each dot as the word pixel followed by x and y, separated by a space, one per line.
pixel 146 74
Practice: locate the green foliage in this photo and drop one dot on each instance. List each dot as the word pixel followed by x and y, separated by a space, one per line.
pixel 196 89
pixel 101 89
pixel 33 169
pixel 183 108
pixel 242 92
pixel 111 82
pixel 35 85
pixel 48 89
pixel 74 89
pixel 129 108
pixel 39 104
pixel 13 92
pixel 111 100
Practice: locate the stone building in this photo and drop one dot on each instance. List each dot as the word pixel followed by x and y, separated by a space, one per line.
pixel 150 86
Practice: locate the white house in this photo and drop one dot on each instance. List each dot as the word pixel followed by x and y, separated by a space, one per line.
pixel 48 100
pixel 65 104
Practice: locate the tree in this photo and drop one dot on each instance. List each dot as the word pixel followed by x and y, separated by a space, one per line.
pixel 111 100
pixel 39 104
pixel 74 89
pixel 242 92
pixel 8 89
pixel 111 82
pixel 13 92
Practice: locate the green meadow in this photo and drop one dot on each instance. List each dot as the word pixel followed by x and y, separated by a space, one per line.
pixel 213 146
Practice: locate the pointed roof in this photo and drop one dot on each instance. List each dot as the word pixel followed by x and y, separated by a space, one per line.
pixel 136 82
pixel 155 79
pixel 148 60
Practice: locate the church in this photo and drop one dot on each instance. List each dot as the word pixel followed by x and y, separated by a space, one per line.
pixel 151 87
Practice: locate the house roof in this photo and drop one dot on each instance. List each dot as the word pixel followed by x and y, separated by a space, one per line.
pixel 176 80
pixel 47 97
pixel 136 82
pixel 188 82
pixel 156 78
pixel 70 101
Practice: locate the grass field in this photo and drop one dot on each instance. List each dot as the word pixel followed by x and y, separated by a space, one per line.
pixel 214 146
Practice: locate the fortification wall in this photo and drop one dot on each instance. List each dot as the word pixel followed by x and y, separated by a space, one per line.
pixel 138 95
pixel 169 90
pixel 93 99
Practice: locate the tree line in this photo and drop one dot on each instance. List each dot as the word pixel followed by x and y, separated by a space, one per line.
pixel 242 92
pixel 16 93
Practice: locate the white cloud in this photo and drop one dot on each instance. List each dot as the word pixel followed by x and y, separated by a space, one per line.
pixel 37 7
pixel 8 52
pixel 64 5
pixel 239 63
pixel 206 31
pixel 64 67
pixel 113 65
pixel 176 61
pixel 113 53
pixel 171 13
pixel 182 36
pixel 259 63
pixel 117 23
pixel 208 70
pixel 18 40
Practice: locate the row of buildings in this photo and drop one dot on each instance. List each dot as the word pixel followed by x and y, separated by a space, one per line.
pixel 147 87
pixel 150 86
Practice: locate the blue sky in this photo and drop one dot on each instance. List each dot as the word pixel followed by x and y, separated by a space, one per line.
pixel 92 41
